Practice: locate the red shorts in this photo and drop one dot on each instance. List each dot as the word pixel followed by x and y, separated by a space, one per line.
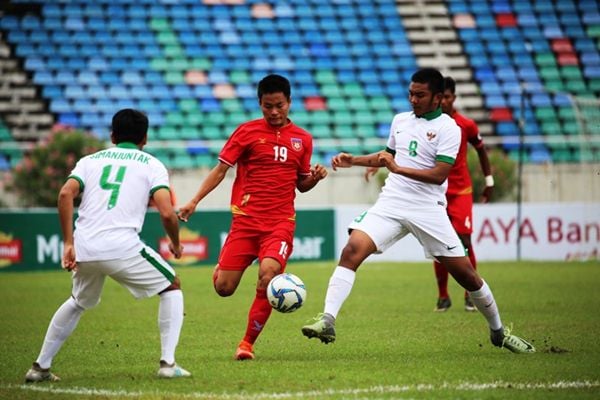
pixel 250 238
pixel 460 211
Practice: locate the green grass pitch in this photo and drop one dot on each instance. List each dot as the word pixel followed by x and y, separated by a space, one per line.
pixel 390 344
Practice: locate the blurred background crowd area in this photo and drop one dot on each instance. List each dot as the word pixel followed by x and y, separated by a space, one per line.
pixel 527 71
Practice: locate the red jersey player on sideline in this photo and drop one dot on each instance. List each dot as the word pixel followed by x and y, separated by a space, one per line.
pixel 460 191
pixel 273 160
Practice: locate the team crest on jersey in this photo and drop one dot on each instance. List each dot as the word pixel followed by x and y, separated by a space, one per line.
pixel 262 140
pixel 297 144
pixel 431 136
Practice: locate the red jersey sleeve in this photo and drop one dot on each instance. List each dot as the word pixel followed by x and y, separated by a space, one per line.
pixel 234 147
pixel 472 133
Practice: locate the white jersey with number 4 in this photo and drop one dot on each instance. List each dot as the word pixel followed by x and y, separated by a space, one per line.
pixel 117 184
pixel 419 142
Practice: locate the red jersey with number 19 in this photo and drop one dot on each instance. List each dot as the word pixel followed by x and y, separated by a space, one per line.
pixel 269 162
pixel 459 179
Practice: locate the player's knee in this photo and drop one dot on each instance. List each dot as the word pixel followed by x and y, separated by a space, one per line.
pixel 86 304
pixel 351 256
pixel 175 285
pixel 224 289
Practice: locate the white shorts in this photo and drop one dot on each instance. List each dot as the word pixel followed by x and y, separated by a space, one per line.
pixel 431 226
pixel 144 275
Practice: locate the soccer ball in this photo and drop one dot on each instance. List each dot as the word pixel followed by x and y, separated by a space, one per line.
pixel 286 293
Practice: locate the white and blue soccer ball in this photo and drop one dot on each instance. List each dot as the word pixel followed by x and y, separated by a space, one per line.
pixel 286 293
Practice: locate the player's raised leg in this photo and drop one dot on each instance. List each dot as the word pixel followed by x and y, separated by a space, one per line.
pixel 483 299
pixel 359 247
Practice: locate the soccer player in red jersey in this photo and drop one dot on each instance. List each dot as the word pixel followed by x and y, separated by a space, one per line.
pixel 272 155
pixel 460 192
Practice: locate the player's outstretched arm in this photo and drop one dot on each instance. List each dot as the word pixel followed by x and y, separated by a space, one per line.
pixel 66 196
pixel 486 168
pixel 212 180
pixel 436 175
pixel 307 182
pixel 168 218
pixel 347 160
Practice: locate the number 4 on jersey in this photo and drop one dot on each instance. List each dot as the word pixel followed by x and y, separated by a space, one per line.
pixel 114 186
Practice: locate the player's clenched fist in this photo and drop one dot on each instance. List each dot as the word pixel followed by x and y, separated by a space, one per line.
pixel 342 160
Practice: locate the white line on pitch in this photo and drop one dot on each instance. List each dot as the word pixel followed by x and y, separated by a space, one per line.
pixel 465 386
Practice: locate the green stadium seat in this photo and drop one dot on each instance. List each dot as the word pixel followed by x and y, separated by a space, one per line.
pixel 570 128
pixel 212 132
pixel 550 127
pixel 206 160
pixel 182 161
pixel 366 131
pixel 383 103
pixel 194 118
pixel 240 76
pixel 202 64
pixel 576 86
pixel 320 117
pixel 300 118
pixel 549 73
pixel 159 64
pixel 325 77
pixel 358 103
pixel 344 131
pixel 545 113
pixel 331 90
pixel 173 51
pixel 168 132
pixel 566 113
pixel 545 59
pixel 366 117
pixel 176 119
pixel 320 131
pixel 189 132
pixel 189 105
pixel 159 24
pixel 215 118
pixel 555 85
pixel 571 72
pixel 350 90
pixel 336 104
pixel 232 105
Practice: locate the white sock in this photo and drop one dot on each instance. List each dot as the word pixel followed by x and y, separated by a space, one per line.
pixel 61 326
pixel 170 320
pixel 340 285
pixel 483 299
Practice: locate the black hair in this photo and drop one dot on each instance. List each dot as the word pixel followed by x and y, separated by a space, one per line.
pixel 449 84
pixel 274 84
pixel 129 125
pixel 432 77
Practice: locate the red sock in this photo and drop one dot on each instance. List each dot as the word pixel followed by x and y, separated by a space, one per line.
pixel 471 254
pixel 258 316
pixel 441 275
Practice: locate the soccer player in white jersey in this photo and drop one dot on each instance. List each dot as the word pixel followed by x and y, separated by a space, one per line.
pixel 117 185
pixel 421 150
